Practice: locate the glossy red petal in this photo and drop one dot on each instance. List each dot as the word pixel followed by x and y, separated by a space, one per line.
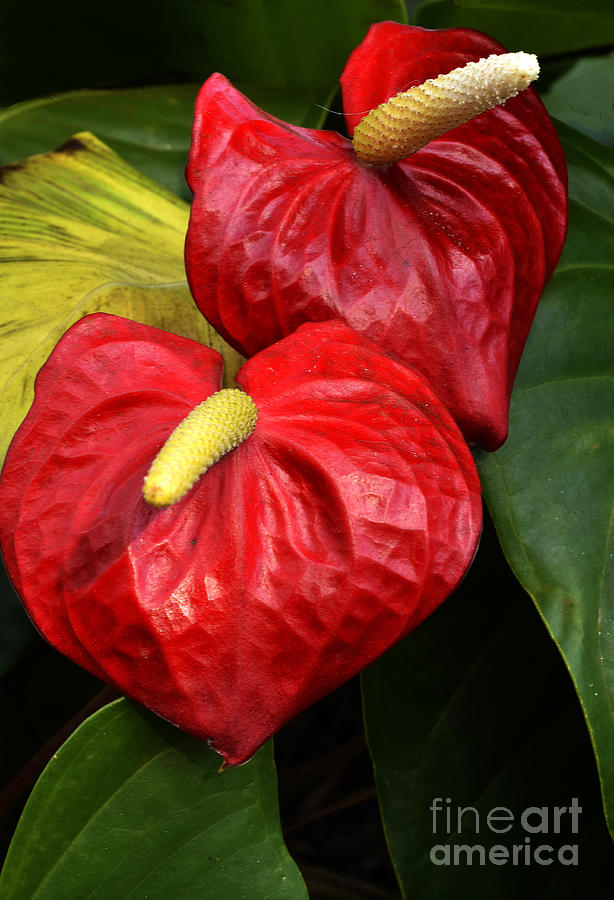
pixel 440 258
pixel 246 169
pixel 111 389
pixel 347 516
pixel 519 135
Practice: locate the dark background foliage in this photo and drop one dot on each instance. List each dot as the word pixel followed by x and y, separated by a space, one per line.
pixel 478 704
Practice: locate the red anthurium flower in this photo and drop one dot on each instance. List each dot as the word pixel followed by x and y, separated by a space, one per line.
pixel 440 256
pixel 348 511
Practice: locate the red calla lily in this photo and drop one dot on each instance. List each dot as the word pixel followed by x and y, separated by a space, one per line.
pixel 440 258
pixel 342 521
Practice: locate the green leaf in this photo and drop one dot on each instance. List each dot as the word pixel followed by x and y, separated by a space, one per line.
pixel 600 10
pixel 550 489
pixel 275 46
pixel 584 98
pixel 131 807
pixel 80 232
pixel 475 708
pixel 148 127
pixel 535 31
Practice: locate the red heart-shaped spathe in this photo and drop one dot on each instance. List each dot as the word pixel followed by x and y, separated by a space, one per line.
pixel 347 516
pixel 440 258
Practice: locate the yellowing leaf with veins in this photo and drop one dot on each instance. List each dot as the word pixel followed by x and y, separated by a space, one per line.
pixel 81 231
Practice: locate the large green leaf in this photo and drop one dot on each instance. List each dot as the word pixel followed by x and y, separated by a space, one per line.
pixel 131 807
pixel 600 10
pixel 550 489
pixel 535 30
pixel 475 708
pixel 268 47
pixel 584 97
pixel 272 48
pixel 81 231
pixel 148 127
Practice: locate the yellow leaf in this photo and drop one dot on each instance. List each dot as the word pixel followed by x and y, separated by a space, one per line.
pixel 81 231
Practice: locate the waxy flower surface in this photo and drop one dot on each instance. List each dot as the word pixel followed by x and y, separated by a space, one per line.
pixel 348 510
pixel 440 257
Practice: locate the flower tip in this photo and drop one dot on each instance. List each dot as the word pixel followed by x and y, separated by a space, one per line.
pixel 410 120
pixel 526 66
pixel 213 428
pixel 157 494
